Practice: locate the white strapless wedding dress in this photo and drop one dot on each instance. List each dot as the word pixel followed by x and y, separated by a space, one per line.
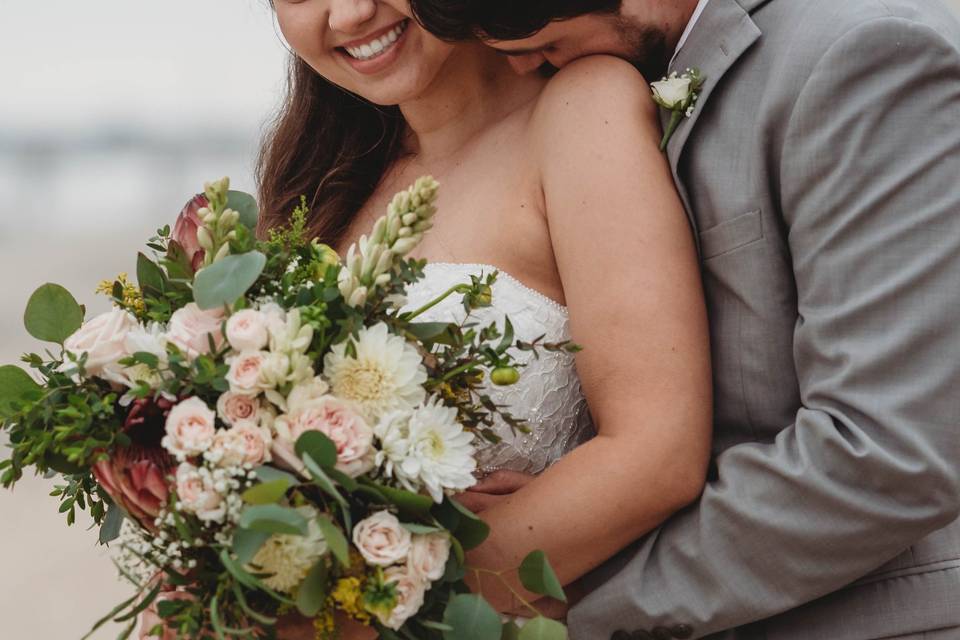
pixel 548 395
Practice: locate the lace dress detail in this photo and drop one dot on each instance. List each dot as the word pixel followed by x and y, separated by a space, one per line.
pixel 548 395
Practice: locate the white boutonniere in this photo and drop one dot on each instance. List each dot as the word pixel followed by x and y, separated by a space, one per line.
pixel 678 94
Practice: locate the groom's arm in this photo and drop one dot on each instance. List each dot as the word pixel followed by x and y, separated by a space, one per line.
pixel 871 195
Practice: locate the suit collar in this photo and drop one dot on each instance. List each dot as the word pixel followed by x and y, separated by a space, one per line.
pixel 723 34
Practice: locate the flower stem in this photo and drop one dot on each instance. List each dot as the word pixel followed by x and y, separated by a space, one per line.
pixel 430 305
pixel 675 121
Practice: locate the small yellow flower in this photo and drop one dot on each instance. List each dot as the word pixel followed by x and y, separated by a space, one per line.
pixel 348 596
pixel 324 626
pixel 132 299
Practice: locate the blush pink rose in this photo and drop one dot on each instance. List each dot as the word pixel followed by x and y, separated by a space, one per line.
pixel 246 369
pixel 247 330
pixel 238 407
pixel 197 495
pixel 191 329
pixel 185 230
pixel 244 443
pixel 103 339
pixel 411 592
pixel 382 540
pixel 190 428
pixel 338 421
pixel 428 556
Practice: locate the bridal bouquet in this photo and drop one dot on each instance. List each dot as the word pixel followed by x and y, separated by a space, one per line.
pixel 262 428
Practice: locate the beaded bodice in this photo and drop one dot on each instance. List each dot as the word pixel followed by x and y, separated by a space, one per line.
pixel 548 395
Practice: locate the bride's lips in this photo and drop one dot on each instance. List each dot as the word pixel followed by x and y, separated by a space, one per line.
pixel 382 59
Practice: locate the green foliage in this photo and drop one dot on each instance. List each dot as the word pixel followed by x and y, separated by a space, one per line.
pixel 538 576
pixel 246 205
pixel 266 492
pixel 52 314
pixel 471 618
pixel 16 386
pixel 319 447
pixel 541 628
pixel 312 594
pixel 335 540
pixel 273 518
pixel 225 281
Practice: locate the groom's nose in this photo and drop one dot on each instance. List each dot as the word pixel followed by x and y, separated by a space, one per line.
pixel 527 62
pixel 347 16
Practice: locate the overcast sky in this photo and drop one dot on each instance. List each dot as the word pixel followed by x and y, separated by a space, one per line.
pixel 80 63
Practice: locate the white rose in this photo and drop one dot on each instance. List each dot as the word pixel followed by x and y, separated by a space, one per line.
pixel 235 407
pixel 411 590
pixel 244 443
pixel 246 371
pixel 247 330
pixel 196 494
pixel 191 329
pixel 381 540
pixel 671 92
pixel 103 339
pixel 190 428
pixel 428 556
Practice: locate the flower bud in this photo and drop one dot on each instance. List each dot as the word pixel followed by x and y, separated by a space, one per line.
pixel 358 298
pixel 205 239
pixel 504 376
pixel 222 253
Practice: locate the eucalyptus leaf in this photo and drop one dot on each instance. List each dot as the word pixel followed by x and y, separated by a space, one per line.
pixel 319 447
pixel 267 492
pixel 16 385
pixel 110 529
pixel 226 280
pixel 410 504
pixel 273 518
pixel 510 631
pixel 335 539
pixel 434 332
pixel 150 276
pixel 312 592
pixel 471 618
pixel 269 474
pixel 538 576
pixel 541 628
pixel 247 543
pixel 52 314
pixel 322 480
pixel 246 205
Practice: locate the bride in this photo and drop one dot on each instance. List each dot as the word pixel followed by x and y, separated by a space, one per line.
pixel 559 185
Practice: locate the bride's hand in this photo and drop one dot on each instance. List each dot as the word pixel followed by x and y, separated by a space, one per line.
pixel 493 489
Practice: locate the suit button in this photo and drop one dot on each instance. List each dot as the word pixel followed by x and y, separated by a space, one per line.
pixel 682 631
pixel 640 634
pixel 620 634
pixel 662 633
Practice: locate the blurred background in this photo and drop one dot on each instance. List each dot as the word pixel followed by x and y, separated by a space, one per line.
pixel 112 114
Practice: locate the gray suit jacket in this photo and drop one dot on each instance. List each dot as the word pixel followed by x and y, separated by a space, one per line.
pixel 821 171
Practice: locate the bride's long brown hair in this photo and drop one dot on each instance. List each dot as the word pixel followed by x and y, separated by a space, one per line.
pixel 328 145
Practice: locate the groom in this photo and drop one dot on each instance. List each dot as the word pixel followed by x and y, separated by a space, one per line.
pixel 820 169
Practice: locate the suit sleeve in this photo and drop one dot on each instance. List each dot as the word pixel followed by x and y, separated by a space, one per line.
pixel 870 192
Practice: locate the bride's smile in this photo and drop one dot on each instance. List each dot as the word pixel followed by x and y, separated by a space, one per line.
pixel 373 49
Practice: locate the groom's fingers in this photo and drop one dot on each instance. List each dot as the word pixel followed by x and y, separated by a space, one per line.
pixel 478 502
pixel 502 483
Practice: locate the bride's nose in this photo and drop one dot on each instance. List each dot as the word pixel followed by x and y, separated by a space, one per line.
pixel 347 16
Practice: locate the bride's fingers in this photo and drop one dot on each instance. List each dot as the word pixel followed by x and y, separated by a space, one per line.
pixel 502 483
pixel 478 502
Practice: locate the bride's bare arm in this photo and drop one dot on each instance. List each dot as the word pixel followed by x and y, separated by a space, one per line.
pixel 626 258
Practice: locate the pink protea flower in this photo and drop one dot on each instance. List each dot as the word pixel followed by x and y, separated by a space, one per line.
pixel 185 230
pixel 136 476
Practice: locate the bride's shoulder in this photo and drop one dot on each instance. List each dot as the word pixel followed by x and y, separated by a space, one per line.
pixel 598 106
pixel 597 87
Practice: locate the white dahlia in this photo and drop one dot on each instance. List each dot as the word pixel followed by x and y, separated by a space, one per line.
pixel 427 448
pixel 289 558
pixel 387 374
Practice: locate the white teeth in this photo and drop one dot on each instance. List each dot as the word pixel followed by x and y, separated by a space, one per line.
pixel 377 46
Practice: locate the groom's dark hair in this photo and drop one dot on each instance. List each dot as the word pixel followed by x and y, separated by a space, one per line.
pixel 501 19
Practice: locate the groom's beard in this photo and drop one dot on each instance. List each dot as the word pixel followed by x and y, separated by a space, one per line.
pixel 646 48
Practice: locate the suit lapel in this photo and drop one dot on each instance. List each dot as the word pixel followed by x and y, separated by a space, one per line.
pixel 723 34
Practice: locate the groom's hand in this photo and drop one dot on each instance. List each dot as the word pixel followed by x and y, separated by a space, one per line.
pixel 493 489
